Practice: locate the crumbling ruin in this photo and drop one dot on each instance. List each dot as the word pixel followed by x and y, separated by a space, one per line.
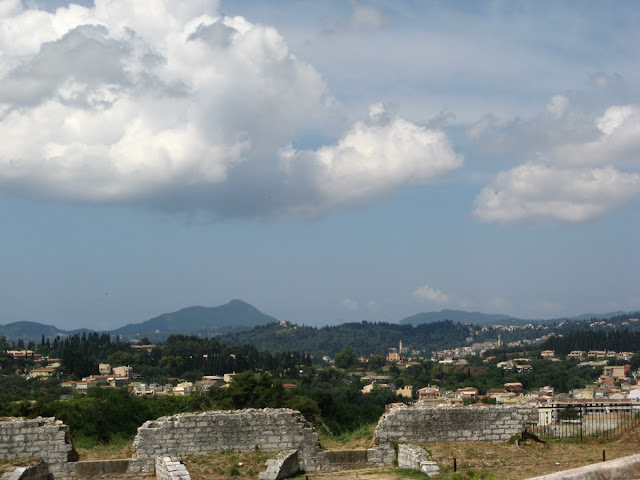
pixel 277 430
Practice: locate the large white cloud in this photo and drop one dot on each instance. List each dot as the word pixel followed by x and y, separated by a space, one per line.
pixel 576 165
pixel 170 105
pixel 537 191
pixel 371 159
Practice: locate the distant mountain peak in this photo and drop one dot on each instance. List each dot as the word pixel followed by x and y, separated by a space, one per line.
pixel 233 315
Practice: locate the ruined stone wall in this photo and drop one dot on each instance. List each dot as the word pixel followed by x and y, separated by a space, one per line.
pixel 45 438
pixel 414 457
pixel 453 424
pixel 244 430
pixel 168 468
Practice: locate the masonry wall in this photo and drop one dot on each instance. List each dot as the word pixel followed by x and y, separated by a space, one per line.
pixel 168 468
pixel 414 457
pixel 453 424
pixel 45 438
pixel 244 430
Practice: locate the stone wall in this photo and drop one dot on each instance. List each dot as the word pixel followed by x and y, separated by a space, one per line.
pixel 100 469
pixel 283 465
pixel 45 438
pixel 453 424
pixel 168 468
pixel 414 457
pixel 244 430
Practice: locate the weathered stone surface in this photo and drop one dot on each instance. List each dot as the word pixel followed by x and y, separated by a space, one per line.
pixel 416 458
pixel 244 430
pixel 99 468
pixel 283 465
pixel 454 424
pixel 336 460
pixel 45 438
pixel 168 468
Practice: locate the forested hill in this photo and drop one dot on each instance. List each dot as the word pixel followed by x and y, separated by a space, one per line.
pixel 363 338
pixel 615 340
pixel 235 315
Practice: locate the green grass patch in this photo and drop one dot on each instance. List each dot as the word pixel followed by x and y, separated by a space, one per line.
pixel 363 432
pixel 412 474
pixel 120 446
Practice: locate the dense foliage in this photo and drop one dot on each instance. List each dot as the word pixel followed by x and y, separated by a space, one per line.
pixel 585 340
pixel 364 338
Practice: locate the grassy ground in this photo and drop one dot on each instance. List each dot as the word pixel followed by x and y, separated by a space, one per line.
pixel 89 449
pixel 529 459
pixel 502 461
pixel 360 438
pixel 8 466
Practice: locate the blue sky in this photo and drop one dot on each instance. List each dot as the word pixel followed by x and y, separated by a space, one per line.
pixel 324 161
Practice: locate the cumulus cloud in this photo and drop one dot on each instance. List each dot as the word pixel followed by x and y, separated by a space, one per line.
pixel 537 191
pixel 616 142
pixel 173 106
pixel 425 292
pixel 575 165
pixel 351 304
pixel 371 159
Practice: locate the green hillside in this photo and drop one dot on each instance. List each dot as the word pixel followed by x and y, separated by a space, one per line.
pixel 460 316
pixel 231 316
pixel 364 338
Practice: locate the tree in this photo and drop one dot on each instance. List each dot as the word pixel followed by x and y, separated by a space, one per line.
pixel 377 361
pixel 121 358
pixel 346 358
pixel 173 364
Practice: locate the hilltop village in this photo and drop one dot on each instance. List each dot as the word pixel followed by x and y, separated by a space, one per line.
pixel 484 372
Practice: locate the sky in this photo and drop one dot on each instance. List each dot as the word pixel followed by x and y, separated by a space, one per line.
pixel 325 162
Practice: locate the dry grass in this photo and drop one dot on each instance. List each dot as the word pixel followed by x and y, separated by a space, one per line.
pixel 10 465
pixel 227 465
pixel 529 459
pixel 5 467
pixel 360 439
pixel 106 452
pixel 504 461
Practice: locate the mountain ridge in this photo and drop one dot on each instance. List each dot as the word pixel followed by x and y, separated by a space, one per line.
pixel 237 315
pixel 479 318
